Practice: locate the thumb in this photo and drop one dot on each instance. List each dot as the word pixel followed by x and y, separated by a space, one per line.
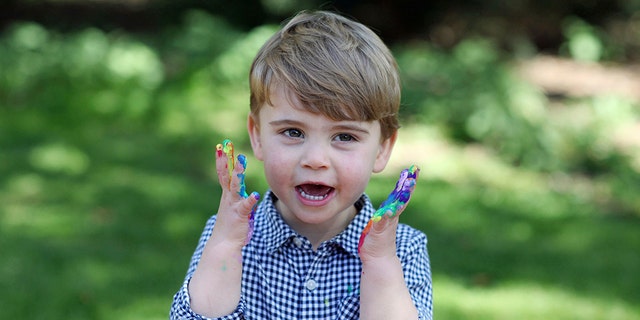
pixel 385 228
pixel 249 203
pixel 380 225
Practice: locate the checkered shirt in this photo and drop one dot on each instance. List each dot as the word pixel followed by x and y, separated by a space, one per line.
pixel 284 278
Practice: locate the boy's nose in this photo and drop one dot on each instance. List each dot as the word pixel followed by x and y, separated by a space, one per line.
pixel 315 157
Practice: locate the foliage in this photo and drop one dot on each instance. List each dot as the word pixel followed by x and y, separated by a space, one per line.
pixel 583 41
pixel 473 96
pixel 107 143
pixel 106 151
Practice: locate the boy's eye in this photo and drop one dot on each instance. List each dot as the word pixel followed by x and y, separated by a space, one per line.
pixel 293 133
pixel 345 137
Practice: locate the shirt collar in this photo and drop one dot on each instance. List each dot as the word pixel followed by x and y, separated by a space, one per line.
pixel 349 238
pixel 273 232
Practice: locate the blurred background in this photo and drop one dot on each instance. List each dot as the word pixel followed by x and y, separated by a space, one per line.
pixel 524 116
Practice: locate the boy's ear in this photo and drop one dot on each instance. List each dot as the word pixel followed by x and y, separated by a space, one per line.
pixel 253 127
pixel 384 153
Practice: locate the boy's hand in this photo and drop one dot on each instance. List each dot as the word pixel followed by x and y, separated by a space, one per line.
pixel 378 237
pixel 215 286
pixel 237 208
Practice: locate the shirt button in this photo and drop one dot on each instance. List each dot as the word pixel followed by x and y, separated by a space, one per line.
pixel 311 285
pixel 297 242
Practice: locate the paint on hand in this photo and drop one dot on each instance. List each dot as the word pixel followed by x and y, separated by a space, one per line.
pixel 396 201
pixel 227 148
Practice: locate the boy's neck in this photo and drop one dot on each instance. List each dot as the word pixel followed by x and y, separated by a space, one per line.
pixel 319 233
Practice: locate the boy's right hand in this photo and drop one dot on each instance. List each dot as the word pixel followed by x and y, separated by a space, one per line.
pixel 215 287
pixel 234 224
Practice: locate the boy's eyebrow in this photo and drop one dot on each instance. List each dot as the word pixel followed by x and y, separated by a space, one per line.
pixel 351 127
pixel 285 122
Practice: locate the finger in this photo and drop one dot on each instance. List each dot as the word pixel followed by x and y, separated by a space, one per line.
pixel 395 203
pixel 249 203
pixel 364 234
pixel 379 241
pixel 382 224
pixel 237 179
pixel 242 188
pixel 403 203
pixel 400 196
pixel 225 162
pixel 253 202
pixel 227 148
pixel 222 167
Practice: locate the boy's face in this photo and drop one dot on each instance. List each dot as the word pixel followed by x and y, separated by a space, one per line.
pixel 317 167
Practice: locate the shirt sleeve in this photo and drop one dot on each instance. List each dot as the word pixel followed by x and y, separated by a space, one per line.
pixel 413 254
pixel 181 306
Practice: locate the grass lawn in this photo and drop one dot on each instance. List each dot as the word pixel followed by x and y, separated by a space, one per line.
pixel 112 241
pixel 107 178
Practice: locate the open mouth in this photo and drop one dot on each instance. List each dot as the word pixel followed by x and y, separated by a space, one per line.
pixel 314 192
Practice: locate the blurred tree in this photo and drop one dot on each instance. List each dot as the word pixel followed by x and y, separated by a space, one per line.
pixel 132 15
pixel 443 22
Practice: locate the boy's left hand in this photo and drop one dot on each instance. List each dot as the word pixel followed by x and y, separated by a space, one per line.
pixel 378 238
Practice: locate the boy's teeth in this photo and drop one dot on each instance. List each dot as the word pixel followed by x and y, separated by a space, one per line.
pixel 311 197
pixel 314 192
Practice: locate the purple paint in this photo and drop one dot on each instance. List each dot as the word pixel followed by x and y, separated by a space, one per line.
pixel 396 201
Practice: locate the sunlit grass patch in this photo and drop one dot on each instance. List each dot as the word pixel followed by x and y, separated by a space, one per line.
pixel 523 300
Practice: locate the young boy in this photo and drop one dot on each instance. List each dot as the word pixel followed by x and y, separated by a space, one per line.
pixel 324 100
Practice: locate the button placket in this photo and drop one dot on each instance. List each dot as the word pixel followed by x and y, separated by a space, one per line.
pixel 310 283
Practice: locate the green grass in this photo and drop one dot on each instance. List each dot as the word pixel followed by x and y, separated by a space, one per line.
pixel 107 179
pixel 114 241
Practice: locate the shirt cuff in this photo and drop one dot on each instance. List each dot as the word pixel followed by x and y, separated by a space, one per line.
pixel 181 307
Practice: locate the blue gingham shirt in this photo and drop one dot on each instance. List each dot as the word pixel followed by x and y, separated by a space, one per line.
pixel 284 278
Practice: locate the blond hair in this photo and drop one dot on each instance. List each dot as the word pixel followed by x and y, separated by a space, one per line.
pixel 334 66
